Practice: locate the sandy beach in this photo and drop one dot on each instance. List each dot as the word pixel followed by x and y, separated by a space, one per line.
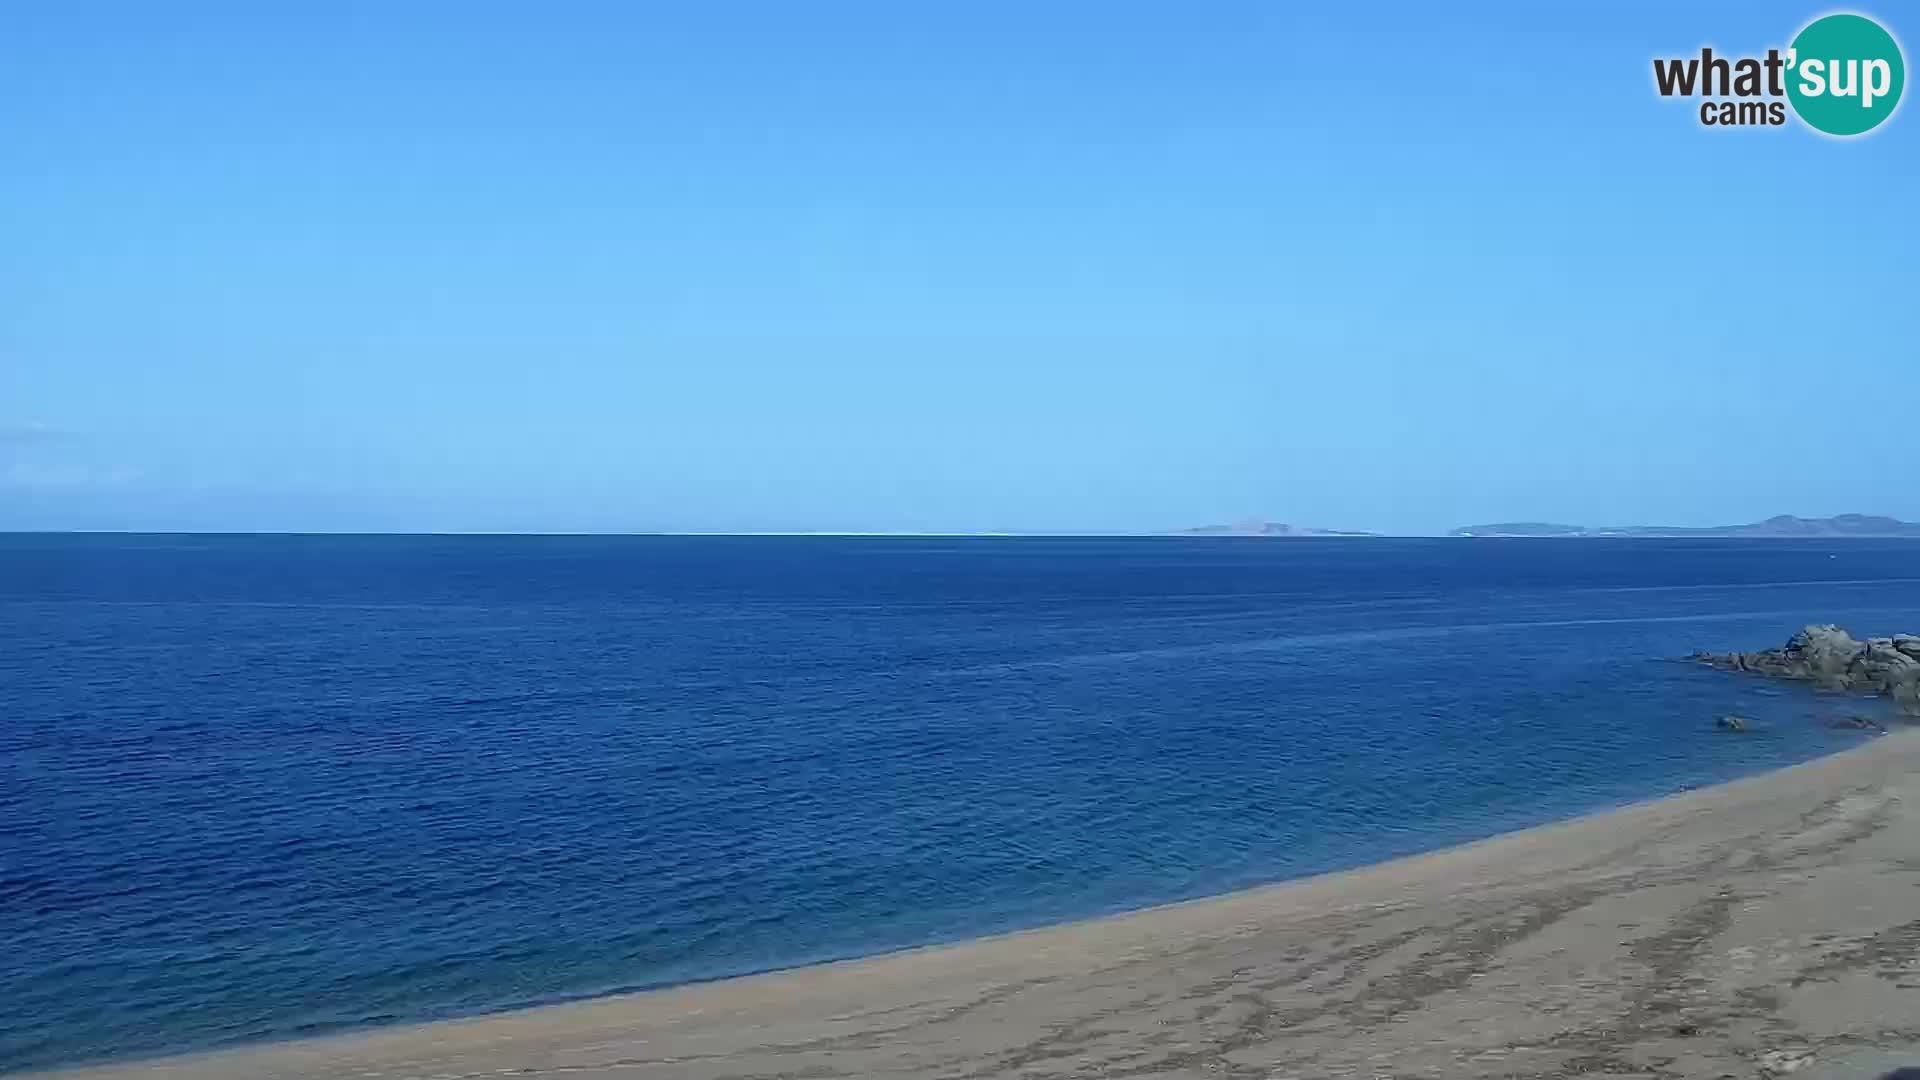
pixel 1769 926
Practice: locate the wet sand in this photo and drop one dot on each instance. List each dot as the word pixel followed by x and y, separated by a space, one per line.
pixel 1766 927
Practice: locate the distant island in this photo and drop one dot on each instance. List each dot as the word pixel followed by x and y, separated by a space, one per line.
pixel 1264 528
pixel 1783 527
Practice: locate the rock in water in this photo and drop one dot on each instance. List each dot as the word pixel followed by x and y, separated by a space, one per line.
pixel 1832 658
pixel 1826 653
pixel 1907 696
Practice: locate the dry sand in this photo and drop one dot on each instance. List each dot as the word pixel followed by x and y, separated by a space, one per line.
pixel 1765 927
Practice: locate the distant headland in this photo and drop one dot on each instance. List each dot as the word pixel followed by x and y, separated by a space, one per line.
pixel 1782 527
pixel 1254 527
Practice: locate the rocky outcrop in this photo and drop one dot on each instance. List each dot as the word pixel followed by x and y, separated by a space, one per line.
pixel 1829 657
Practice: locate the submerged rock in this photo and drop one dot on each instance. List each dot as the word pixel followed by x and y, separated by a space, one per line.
pixel 1829 657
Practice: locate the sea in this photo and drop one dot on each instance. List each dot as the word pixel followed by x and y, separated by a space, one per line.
pixel 263 787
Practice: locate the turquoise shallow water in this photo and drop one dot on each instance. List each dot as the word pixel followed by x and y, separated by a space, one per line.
pixel 256 787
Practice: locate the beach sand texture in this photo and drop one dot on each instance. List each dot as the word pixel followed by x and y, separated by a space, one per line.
pixel 1765 927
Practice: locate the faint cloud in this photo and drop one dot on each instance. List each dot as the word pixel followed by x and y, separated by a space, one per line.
pixel 29 432
pixel 45 476
pixel 38 457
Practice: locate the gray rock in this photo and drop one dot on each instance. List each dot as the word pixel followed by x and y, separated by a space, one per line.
pixel 1829 657
pixel 1907 696
pixel 1783 1062
pixel 1826 651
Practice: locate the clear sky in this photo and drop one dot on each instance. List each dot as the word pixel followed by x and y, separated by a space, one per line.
pixel 907 266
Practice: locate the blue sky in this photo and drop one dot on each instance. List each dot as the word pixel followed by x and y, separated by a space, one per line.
pixel 974 266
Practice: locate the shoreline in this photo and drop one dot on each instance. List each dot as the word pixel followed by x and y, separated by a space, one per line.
pixel 1434 963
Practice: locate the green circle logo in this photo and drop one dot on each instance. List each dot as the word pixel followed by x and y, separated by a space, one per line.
pixel 1845 74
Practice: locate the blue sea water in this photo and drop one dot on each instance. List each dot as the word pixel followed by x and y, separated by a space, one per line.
pixel 263 786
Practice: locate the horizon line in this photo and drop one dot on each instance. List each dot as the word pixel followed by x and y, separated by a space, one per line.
pixel 1462 533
